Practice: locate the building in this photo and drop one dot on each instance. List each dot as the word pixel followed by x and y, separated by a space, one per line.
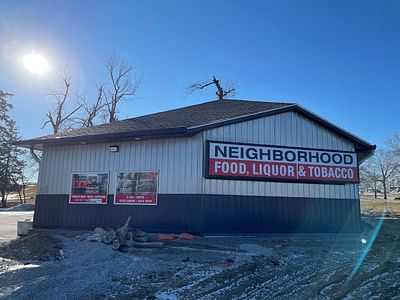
pixel 225 166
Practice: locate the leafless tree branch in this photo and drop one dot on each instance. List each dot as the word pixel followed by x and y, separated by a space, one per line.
pixel 92 110
pixel 123 85
pixel 58 118
pixel 221 91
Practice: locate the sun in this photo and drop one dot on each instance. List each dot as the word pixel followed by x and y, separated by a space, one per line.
pixel 36 63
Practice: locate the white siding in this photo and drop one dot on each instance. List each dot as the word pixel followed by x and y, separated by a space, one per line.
pixel 286 129
pixel 177 160
pixel 180 160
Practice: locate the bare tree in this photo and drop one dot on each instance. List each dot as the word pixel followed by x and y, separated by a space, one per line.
pixel 369 179
pixel 394 144
pixel 59 118
pixel 221 91
pixel 92 110
pixel 123 85
pixel 383 166
pixel 21 188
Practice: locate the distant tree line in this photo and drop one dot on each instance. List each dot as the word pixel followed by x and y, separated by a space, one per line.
pixel 381 172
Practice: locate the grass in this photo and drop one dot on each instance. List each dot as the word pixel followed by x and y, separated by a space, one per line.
pixel 375 207
pixel 30 193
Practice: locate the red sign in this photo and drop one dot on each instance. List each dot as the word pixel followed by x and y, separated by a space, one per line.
pixel 259 162
pixel 136 188
pixel 89 188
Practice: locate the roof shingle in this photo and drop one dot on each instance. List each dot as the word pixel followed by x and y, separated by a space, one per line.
pixel 185 121
pixel 188 117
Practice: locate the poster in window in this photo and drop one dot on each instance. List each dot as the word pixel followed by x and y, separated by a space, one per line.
pixel 89 188
pixel 136 188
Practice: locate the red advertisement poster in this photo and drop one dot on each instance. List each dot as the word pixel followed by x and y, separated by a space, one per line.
pixel 89 188
pixel 136 188
pixel 259 162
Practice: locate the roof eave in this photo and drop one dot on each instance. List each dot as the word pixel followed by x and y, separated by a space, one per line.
pixel 111 137
pixel 359 144
pixel 362 144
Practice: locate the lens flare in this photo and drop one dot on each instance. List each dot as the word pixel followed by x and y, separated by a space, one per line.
pixel 368 247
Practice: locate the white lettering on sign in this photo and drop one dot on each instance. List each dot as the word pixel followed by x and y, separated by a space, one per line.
pixel 261 162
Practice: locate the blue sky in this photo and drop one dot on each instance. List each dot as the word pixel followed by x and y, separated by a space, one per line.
pixel 340 59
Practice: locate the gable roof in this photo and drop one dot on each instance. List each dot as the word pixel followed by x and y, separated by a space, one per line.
pixel 185 121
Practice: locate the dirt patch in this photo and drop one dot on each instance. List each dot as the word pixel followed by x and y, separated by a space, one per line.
pixel 37 246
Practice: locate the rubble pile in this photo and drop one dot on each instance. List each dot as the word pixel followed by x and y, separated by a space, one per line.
pixel 123 239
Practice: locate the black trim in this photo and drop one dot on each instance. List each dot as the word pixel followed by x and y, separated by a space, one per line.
pixel 205 213
pixel 266 179
pixel 293 107
pixel 109 137
pixel 335 129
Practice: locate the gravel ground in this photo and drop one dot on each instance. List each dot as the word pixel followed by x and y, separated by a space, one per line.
pixel 280 267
